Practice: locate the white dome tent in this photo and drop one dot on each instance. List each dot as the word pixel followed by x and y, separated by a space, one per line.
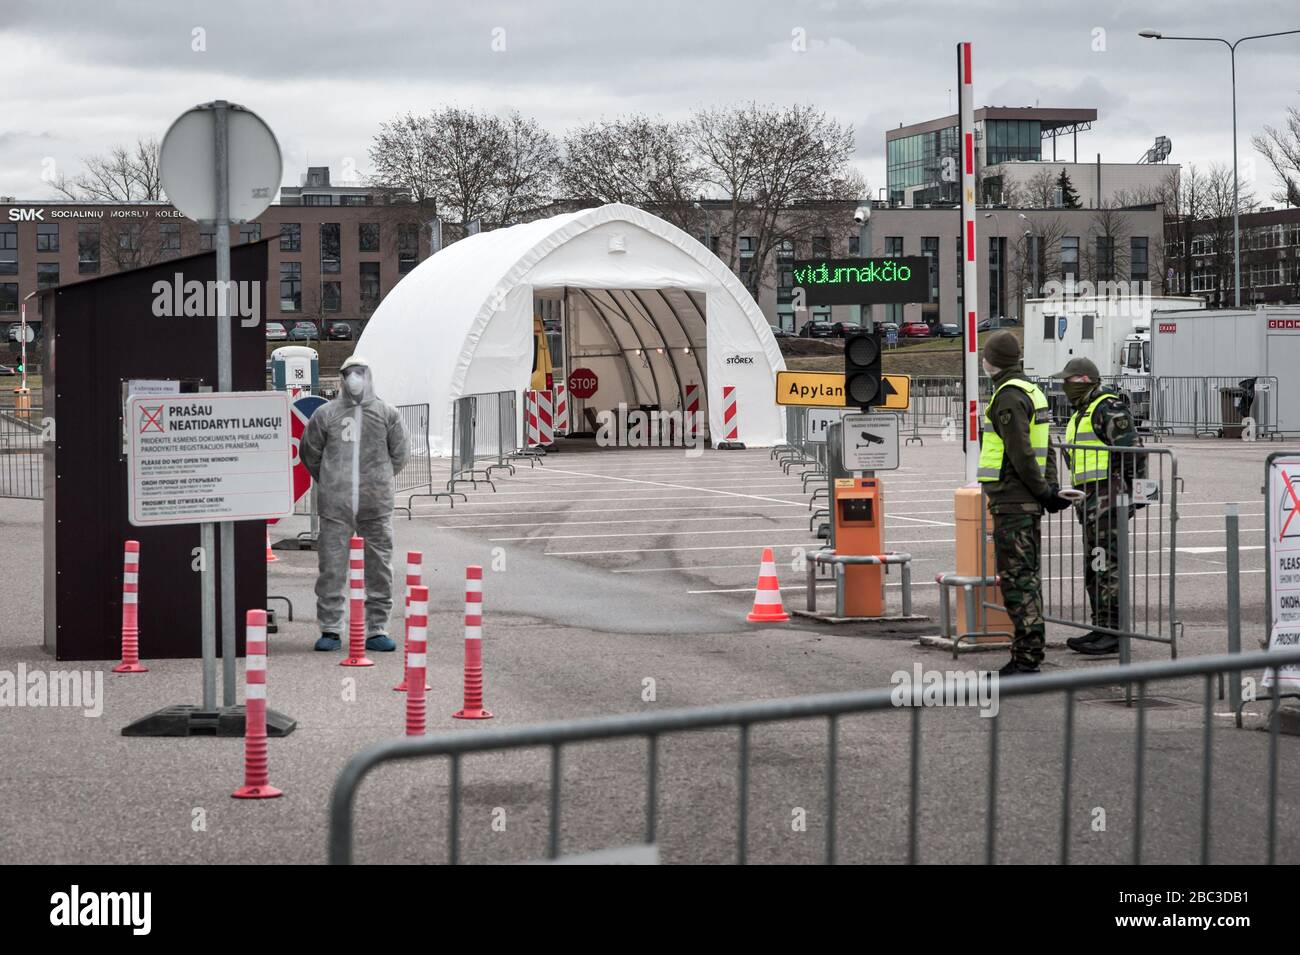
pixel 648 309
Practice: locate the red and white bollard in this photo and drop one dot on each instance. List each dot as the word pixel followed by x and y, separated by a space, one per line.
pixel 414 574
pixel 730 414
pixel 417 636
pixel 131 612
pixel 357 599
pixel 561 408
pixel 473 709
pixel 256 785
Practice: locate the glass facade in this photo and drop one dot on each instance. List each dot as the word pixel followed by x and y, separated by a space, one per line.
pixel 916 160
pixel 1008 140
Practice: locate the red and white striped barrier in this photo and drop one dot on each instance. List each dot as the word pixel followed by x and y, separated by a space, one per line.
pixel 561 416
pixel 473 708
pixel 357 605
pixel 417 636
pixel 691 426
pixel 414 571
pixel 730 414
pixel 131 612
pixel 541 425
pixel 256 780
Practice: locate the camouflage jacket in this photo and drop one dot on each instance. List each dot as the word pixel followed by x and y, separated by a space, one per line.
pixel 1021 483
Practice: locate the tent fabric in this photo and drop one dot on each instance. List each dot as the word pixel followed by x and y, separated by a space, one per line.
pixel 639 292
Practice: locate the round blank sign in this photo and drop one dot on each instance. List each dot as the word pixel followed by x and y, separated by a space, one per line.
pixel 188 163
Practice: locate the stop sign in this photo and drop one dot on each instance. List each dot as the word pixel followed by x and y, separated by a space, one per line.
pixel 583 383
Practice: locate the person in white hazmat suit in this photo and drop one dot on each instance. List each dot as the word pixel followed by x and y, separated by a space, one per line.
pixel 352 447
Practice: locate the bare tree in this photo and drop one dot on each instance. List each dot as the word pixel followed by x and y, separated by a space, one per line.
pixel 1218 225
pixel 404 158
pixel 1036 254
pixel 122 175
pixel 1105 256
pixel 1281 147
pixel 776 167
pixel 638 160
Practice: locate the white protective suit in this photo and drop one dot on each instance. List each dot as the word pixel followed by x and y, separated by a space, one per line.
pixel 352 447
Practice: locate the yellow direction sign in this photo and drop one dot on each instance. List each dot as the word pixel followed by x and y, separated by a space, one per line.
pixel 825 389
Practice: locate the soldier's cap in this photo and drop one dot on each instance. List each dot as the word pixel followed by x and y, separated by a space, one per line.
pixel 1079 366
pixel 1002 350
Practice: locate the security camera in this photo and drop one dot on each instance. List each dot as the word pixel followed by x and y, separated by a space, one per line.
pixel 861 214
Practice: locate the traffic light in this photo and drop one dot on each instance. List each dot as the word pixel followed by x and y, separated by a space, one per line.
pixel 862 371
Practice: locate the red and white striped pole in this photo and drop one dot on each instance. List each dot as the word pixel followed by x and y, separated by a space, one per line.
pixel 357 605
pixel 414 572
pixel 473 709
pixel 970 273
pixel 545 423
pixel 533 436
pixel 256 781
pixel 417 636
pixel 730 416
pixel 691 425
pixel 561 408
pixel 131 612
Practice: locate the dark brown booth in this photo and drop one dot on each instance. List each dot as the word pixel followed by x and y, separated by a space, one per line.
pixel 99 334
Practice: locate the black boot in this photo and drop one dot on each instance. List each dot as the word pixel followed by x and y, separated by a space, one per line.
pixel 1015 667
pixel 1092 636
pixel 1105 643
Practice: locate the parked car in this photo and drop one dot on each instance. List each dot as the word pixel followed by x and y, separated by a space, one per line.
pixel 950 331
pixel 915 330
pixel 817 330
pixel 304 332
pixel 6 370
pixel 888 327
pixel 845 329
pixel 275 332
pixel 779 332
pixel 339 332
pixel 985 325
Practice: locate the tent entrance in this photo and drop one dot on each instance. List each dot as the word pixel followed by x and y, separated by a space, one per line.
pixel 635 361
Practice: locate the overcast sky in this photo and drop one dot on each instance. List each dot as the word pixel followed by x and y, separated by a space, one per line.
pixel 83 77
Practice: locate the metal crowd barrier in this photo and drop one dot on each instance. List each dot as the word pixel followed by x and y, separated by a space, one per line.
pixel 485 437
pixel 418 470
pixel 1110 563
pixel 1218 406
pixel 1067 686
pixel 22 453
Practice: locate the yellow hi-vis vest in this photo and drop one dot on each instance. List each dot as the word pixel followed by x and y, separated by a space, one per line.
pixel 1087 466
pixel 992 450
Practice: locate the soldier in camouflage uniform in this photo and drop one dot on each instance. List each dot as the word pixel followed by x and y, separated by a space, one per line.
pixel 1101 418
pixel 1018 476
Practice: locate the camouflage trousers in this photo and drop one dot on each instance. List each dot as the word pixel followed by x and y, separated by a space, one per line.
pixel 1017 541
pixel 1101 561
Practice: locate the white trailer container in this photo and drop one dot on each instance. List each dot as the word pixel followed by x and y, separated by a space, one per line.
pixel 1215 345
pixel 1091 326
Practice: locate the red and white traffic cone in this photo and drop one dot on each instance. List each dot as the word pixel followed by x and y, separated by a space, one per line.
pixel 256 785
pixel 767 597
pixel 473 709
pixel 414 570
pixel 270 554
pixel 417 636
pixel 131 612
pixel 357 600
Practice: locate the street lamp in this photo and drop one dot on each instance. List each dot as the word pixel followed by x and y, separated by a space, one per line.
pixel 1232 49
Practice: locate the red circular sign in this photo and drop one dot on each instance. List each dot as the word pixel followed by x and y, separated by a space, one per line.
pixel 583 383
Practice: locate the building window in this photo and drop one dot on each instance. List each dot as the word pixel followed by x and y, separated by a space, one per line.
pixel 8 298
pixel 894 246
pixel 408 247
pixel 207 238
pixel 250 232
pixel 354 200
pixel 930 248
pixel 1204 280
pixel 1105 258
pixel 291 237
pixel 88 250
pixel 1088 328
pixel 996 244
pixel 1049 327
pixel 331 296
pixel 368 236
pixel 8 250
pixel 1138 261
pixel 47 274
pixel 170 235
pixel 1070 256
pixel 318 200
pixel 821 246
pixel 854 244
pixel 329 247
pixel 1203 245
pixel 369 285
pixel 128 239
pixel 47 237
pixel 290 286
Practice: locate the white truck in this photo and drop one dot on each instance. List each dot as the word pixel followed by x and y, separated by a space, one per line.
pixel 1112 330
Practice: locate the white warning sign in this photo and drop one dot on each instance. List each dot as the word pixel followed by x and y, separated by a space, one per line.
pixel 1284 562
pixel 870 442
pixel 208 457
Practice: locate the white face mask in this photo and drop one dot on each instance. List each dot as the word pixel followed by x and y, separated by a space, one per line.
pixel 989 369
pixel 355 383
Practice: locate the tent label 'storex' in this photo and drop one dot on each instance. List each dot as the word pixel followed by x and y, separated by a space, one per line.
pixel 631 301
pixel 208 457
